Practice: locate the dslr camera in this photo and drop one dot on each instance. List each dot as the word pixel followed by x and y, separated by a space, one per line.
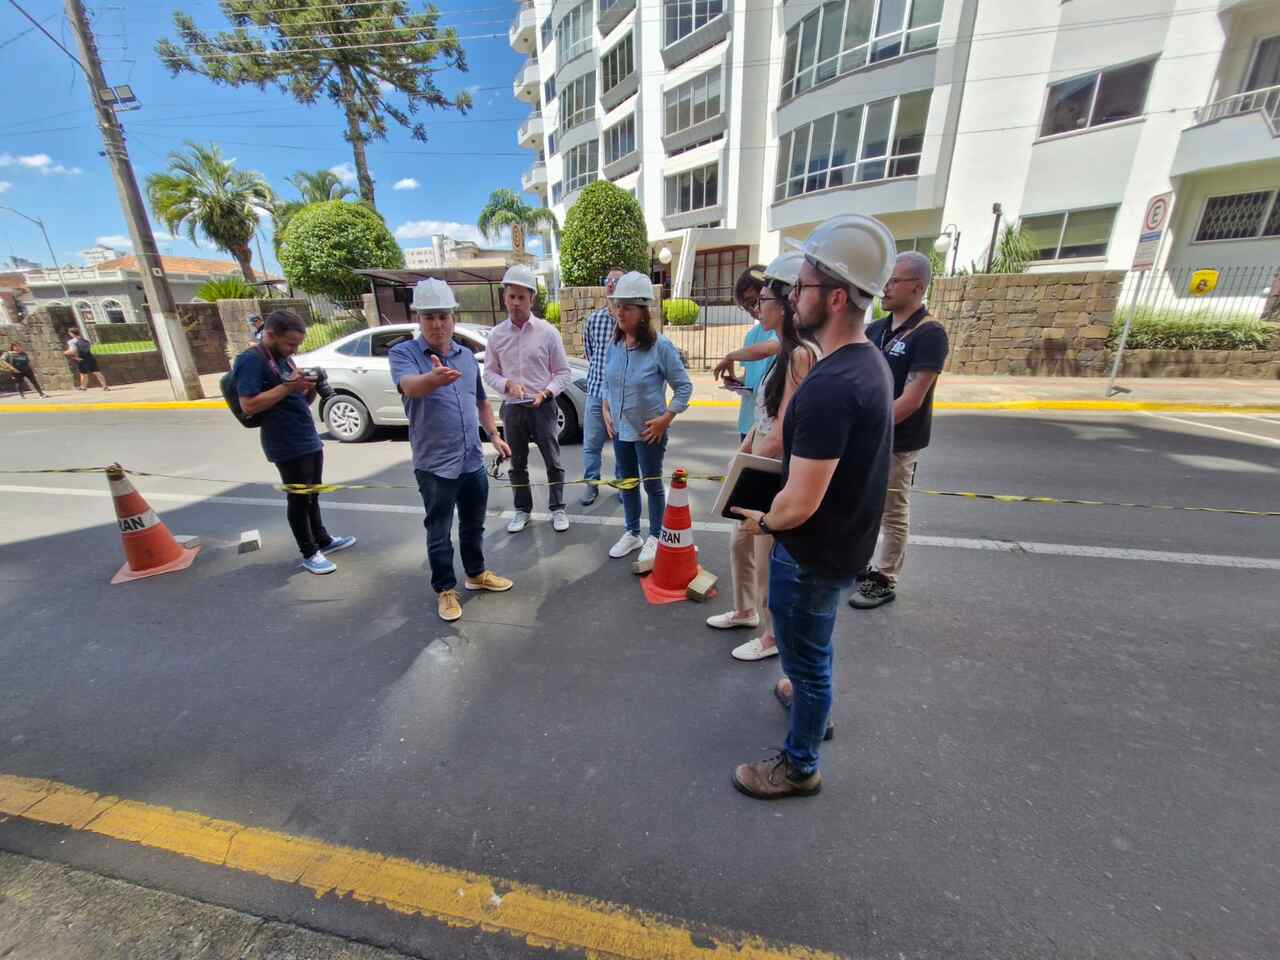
pixel 323 390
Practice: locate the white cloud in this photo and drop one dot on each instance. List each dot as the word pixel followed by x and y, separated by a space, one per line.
pixel 408 183
pixel 117 240
pixel 425 229
pixel 4 186
pixel 345 171
pixel 38 161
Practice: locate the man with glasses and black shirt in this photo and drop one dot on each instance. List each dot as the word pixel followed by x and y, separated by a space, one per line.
pixel 916 350
pixel 837 441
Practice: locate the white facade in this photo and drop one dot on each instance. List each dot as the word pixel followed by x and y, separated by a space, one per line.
pixel 421 258
pixel 1071 115
pixel 99 253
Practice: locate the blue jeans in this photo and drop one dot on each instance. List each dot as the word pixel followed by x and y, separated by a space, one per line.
pixel 470 495
pixel 635 458
pixel 804 607
pixel 593 438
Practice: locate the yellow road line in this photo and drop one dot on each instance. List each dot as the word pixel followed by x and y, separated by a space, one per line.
pixel 112 405
pixel 543 918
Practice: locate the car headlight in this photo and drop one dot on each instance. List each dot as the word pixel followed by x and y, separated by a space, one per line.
pixel 581 384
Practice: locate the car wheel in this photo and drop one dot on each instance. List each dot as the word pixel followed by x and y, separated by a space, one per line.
pixel 348 419
pixel 566 421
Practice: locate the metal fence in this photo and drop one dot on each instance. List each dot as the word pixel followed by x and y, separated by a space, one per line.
pixel 1206 294
pixel 719 328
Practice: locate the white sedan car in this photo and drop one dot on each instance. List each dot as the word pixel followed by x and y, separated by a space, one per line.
pixel 364 396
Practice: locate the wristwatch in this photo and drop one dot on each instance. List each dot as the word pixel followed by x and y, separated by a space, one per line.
pixel 764 527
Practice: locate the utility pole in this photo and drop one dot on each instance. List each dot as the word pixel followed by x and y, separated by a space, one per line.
pixel 172 341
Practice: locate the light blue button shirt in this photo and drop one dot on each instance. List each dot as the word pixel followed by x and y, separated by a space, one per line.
pixel 444 426
pixel 753 376
pixel 635 383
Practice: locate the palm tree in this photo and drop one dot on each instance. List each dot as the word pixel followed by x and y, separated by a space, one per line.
pixel 313 187
pixel 204 191
pixel 505 210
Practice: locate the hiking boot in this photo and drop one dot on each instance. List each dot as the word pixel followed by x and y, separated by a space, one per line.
pixel 875 591
pixel 448 606
pixel 488 580
pixel 773 778
pixel 783 693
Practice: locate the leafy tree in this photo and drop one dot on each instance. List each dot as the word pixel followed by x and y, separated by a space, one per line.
pixel 202 191
pixel 505 210
pixel 353 56
pixel 226 288
pixel 1014 250
pixel 325 242
pixel 602 230
pixel 314 187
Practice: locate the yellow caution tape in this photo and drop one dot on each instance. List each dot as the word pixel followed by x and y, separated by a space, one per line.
pixel 631 483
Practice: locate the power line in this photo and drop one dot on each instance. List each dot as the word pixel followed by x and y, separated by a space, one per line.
pixel 39 26
pixel 19 36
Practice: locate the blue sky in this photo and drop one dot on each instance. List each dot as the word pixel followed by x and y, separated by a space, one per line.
pixel 50 168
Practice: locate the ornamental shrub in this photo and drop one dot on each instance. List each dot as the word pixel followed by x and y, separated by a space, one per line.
pixel 1197 330
pixel 679 312
pixel 602 230
pixel 325 242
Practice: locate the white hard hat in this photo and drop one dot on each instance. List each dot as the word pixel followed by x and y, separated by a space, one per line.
pixel 633 287
pixel 433 295
pixel 519 275
pixel 854 248
pixel 785 268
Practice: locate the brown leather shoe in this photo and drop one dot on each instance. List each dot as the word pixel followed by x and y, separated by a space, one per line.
pixel 448 607
pixel 771 779
pixel 488 580
pixel 784 694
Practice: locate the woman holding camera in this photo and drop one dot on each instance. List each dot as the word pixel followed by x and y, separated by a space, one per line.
pixel 749 556
pixel 270 386
pixel 640 365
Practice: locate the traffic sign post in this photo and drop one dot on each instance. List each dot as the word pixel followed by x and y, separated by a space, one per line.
pixel 1150 239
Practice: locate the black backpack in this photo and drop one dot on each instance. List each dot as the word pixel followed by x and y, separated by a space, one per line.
pixel 83 348
pixel 232 396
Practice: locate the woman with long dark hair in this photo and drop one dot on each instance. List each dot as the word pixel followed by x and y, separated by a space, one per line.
pixel 796 356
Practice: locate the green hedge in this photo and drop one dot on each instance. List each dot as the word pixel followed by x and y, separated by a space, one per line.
pixel 128 346
pixel 680 312
pixel 552 313
pixel 1174 330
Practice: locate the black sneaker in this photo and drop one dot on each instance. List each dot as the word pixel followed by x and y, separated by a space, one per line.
pixel 875 591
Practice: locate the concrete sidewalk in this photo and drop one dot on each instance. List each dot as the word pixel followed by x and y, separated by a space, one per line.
pixel 955 391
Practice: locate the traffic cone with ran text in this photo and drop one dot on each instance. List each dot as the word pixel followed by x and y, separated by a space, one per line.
pixel 676 562
pixel 149 547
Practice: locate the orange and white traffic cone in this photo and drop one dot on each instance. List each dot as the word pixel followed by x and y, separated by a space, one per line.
pixel 676 563
pixel 149 547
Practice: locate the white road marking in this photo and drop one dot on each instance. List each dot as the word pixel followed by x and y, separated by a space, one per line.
pixel 954 543
pixel 1213 426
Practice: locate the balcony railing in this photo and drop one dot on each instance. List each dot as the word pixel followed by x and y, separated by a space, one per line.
pixel 1265 101
pixel 523 27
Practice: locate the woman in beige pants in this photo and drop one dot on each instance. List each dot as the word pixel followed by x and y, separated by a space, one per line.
pixel 749 555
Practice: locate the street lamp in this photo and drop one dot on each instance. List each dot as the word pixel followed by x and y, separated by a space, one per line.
pixel 950 240
pixel 52 256
pixel 664 256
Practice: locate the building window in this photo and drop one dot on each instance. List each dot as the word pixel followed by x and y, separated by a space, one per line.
pixel 557 191
pixel 573 33
pixel 114 311
pixel 692 102
pixel 620 140
pixel 607 4
pixel 693 189
pixel 683 17
pixel 716 271
pixel 919 244
pixel 1240 216
pixel 578 102
pixel 875 141
pixel 84 312
pixel 1074 233
pixel 845 35
pixel 618 64
pixel 551 144
pixel 549 91
pixel 1105 97
pixel 548 31
pixel 581 165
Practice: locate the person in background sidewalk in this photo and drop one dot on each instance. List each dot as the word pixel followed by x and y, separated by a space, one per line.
pixel 18 362
pixel 642 364
pixel 524 360
pixel 269 384
pixel 837 443
pixel 597 335
pixel 444 399
pixel 80 351
pixel 916 349
pixel 256 326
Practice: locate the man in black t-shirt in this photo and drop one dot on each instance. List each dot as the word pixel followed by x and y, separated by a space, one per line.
pixel 916 349
pixel 835 468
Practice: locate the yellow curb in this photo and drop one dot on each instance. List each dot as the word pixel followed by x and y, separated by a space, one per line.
pixel 113 405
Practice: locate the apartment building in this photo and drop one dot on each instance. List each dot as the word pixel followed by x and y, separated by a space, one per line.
pixel 741 123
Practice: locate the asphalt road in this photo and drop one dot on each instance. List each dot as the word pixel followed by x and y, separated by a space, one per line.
pixel 1043 750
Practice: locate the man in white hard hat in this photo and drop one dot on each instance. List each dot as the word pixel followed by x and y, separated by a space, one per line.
pixel 525 361
pixel 444 399
pixel 836 447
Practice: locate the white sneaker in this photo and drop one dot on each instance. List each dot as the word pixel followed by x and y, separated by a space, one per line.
pixel 727 621
pixel 559 521
pixel 627 543
pixel 753 649
pixel 649 550
pixel 518 522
